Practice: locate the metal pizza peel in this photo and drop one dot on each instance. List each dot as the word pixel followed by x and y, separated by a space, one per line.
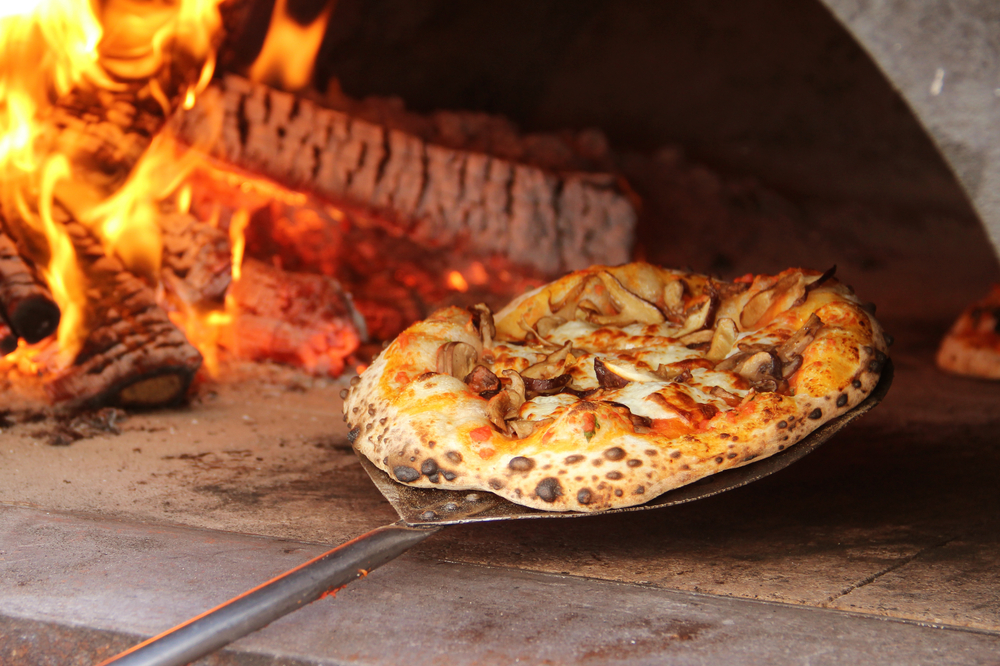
pixel 423 512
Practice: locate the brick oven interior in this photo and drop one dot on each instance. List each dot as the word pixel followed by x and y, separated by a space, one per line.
pixel 757 136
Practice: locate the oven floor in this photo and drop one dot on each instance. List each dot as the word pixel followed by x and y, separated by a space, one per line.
pixel 120 536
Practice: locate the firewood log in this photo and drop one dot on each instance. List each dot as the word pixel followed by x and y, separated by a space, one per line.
pixel 298 318
pixel 443 196
pixel 132 355
pixel 197 260
pixel 25 302
pixel 8 341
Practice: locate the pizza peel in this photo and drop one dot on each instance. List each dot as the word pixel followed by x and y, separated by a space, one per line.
pixel 422 512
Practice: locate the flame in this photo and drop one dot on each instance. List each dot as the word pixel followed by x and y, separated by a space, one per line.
pixel 288 56
pixel 237 240
pixel 203 329
pixel 206 327
pixel 50 48
pixel 46 48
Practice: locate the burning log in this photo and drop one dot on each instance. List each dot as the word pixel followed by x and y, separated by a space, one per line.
pixel 26 304
pixel 307 320
pixel 8 341
pixel 197 260
pixel 133 356
pixel 442 196
pixel 104 132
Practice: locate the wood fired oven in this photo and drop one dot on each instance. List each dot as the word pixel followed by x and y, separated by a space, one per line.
pixel 441 152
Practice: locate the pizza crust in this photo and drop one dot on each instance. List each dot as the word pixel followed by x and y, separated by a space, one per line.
pixel 641 434
pixel 972 345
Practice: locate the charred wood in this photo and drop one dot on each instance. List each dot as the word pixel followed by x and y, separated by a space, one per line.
pixel 103 132
pixel 25 302
pixel 442 196
pixel 197 260
pixel 132 356
pixel 307 320
pixel 8 341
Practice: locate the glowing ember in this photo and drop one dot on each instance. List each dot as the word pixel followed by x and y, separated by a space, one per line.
pixel 457 281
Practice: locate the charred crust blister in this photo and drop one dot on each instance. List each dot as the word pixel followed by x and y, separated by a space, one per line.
pixel 549 489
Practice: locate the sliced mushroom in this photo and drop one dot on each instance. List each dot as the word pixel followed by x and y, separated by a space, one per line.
pixel 482 380
pixel 505 404
pixel 723 339
pixel 516 383
pixel 791 366
pixel 551 386
pixel 730 399
pixel 546 325
pixel 819 281
pixel 502 406
pixel 755 311
pixel 631 308
pixel 733 361
pixel 565 307
pixel 586 310
pixel 524 428
pixel 552 366
pixel 673 374
pixel 698 318
pixel 533 336
pixel 483 318
pixel 606 377
pixel 800 339
pixel 704 336
pixel 628 371
pixel 640 424
pixel 456 359
pixel 673 296
pixel 764 371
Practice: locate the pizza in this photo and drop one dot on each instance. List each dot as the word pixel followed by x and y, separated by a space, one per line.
pixel 972 346
pixel 613 385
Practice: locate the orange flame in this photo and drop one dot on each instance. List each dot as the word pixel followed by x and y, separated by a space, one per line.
pixel 288 56
pixel 48 48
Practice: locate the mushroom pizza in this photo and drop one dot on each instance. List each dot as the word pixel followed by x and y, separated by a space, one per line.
pixel 613 385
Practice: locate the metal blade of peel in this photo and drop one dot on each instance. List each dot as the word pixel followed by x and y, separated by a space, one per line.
pixel 432 506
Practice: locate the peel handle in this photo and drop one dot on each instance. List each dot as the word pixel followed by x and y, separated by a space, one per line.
pixel 260 606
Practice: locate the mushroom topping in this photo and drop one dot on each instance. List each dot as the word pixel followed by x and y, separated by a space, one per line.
pixel 764 371
pixel 552 386
pixel 800 339
pixel 546 325
pixel 722 340
pixel 698 318
pixel 482 380
pixel 456 359
pixel 673 374
pixel 628 371
pixel 565 307
pixel 524 428
pixel 631 308
pixel 606 378
pixel 552 366
pixel 533 335
pixel 482 316
pixel 789 289
pixel 730 399
pixel 673 296
pixel 819 281
pixel 791 366
pixel 701 337
pixel 506 404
